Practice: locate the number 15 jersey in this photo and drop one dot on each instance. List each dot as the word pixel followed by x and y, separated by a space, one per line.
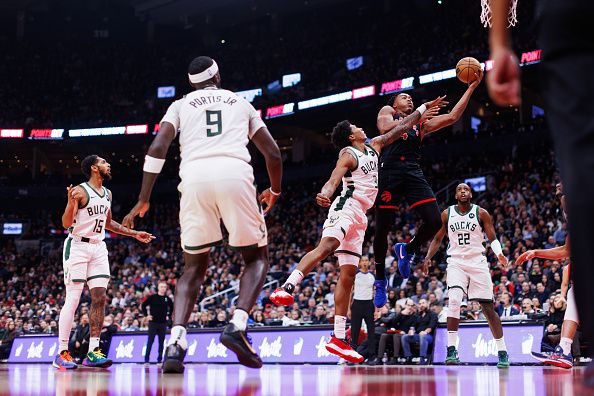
pixel 214 127
pixel 465 233
pixel 89 221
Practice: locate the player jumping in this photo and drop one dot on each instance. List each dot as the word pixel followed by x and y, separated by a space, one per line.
pixel 217 183
pixel 468 270
pixel 87 216
pixel 400 176
pixel 561 356
pixel 344 229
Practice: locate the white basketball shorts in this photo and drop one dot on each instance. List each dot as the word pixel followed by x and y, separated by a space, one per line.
pixel 348 225
pixel 472 276
pixel 86 262
pixel 204 204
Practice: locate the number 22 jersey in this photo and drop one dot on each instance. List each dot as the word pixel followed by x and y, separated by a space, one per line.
pixel 465 233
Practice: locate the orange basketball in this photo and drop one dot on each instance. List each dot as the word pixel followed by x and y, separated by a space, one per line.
pixel 466 68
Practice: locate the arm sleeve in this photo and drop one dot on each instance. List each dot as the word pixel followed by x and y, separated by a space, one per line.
pixel 172 114
pixel 255 119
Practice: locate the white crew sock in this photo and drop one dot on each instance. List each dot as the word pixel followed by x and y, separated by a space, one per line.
pixel 500 344
pixel 340 327
pixel 93 343
pixel 67 312
pixel 240 318
pixel 452 338
pixel 178 334
pixel 295 278
pixel 566 345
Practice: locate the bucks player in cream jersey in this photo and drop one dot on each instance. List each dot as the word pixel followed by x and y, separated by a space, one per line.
pixel 87 216
pixel 344 229
pixel 468 270
pixel 217 183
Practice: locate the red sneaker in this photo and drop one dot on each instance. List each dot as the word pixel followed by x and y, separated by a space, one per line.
pixel 342 348
pixel 281 297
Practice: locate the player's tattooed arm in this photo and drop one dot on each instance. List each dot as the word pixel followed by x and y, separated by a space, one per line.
pixel 436 242
pixel 379 142
pixel 75 197
pixel 114 226
pixel 346 162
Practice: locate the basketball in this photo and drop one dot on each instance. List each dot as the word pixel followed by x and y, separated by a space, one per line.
pixel 466 68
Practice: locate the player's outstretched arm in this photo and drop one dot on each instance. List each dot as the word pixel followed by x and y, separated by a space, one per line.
pixel 274 164
pixel 114 226
pixel 444 120
pixel 379 142
pixel 503 81
pixel 556 253
pixel 485 218
pixel 346 162
pixel 565 282
pixel 385 117
pixel 154 161
pixel 436 242
pixel 74 195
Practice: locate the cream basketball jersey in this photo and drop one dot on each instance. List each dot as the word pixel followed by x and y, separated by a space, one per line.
pixel 214 127
pixel 465 233
pixel 360 184
pixel 90 219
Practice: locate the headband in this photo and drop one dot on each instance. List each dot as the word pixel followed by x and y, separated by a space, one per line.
pixel 204 75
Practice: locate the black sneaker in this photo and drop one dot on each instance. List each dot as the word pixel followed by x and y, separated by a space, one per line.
pixel 174 359
pixel 240 343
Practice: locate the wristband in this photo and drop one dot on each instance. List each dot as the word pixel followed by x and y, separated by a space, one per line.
pixel 422 108
pixel 273 193
pixel 152 164
pixel 496 247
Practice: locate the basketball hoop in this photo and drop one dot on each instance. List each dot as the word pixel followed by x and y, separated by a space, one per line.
pixel 486 17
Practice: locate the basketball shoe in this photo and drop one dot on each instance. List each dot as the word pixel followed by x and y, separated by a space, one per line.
pixel 452 356
pixel 283 295
pixel 64 361
pixel 404 259
pixel 503 359
pixel 241 344
pixel 174 359
pixel 380 298
pixel 342 348
pixel 96 358
pixel 558 359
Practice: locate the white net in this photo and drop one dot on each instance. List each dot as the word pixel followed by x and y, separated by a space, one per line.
pixel 486 17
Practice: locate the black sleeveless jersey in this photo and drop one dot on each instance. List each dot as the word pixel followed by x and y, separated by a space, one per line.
pixel 407 148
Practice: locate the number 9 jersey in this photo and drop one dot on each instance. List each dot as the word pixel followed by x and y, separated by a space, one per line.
pixel 465 233
pixel 214 126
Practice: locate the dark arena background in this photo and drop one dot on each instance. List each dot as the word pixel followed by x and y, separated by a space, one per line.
pixel 97 76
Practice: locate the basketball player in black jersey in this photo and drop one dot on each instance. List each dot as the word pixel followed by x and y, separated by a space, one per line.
pixel 400 176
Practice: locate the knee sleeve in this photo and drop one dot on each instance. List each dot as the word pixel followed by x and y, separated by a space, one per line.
pixel 455 294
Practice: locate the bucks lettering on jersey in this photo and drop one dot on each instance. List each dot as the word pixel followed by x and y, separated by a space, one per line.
pixel 465 233
pixel 360 184
pixel 90 219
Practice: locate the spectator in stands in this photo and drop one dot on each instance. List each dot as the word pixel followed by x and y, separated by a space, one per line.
pixel 319 316
pixel 220 320
pixel 553 321
pixel 107 332
pixel 438 309
pixel 525 293
pixel 294 319
pixel 561 234
pixel 258 319
pixel 79 341
pixel 528 307
pixel 422 333
pixel 504 285
pixel 475 312
pixel 395 326
pixel 7 338
pixel 505 309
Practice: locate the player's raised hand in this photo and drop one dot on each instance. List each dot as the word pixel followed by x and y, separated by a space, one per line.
pixel 503 81
pixel 503 261
pixel 323 200
pixel 439 102
pixel 429 114
pixel 139 209
pixel 477 80
pixel 268 199
pixel 527 255
pixel 144 236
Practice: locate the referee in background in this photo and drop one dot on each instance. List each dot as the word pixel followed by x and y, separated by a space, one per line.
pixel 158 308
pixel 362 307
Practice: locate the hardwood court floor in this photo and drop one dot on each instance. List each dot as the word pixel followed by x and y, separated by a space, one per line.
pixel 287 380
